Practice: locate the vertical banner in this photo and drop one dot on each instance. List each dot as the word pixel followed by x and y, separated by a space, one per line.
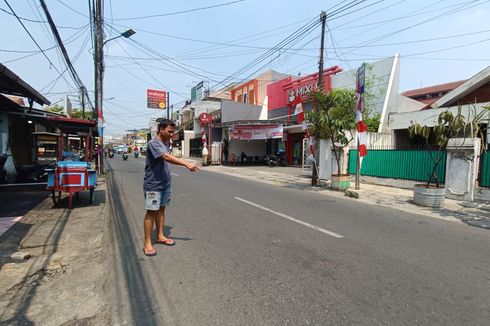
pixel 361 125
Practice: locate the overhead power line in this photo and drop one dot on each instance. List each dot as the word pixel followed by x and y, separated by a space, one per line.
pixel 179 12
pixel 69 64
pixel 40 21
pixel 35 42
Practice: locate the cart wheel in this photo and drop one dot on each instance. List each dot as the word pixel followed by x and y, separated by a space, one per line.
pixel 92 195
pixel 56 198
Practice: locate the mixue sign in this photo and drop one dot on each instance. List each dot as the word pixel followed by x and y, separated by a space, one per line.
pixel 301 92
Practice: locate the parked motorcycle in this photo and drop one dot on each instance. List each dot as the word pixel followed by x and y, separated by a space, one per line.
pixel 33 172
pixel 136 154
pixel 270 160
pixel 125 156
pixel 275 160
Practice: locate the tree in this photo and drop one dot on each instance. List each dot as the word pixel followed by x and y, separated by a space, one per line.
pixel 333 118
pixel 77 113
pixel 55 109
pixel 447 126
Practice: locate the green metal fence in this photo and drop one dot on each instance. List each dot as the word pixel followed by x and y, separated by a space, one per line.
pixel 485 170
pixel 399 164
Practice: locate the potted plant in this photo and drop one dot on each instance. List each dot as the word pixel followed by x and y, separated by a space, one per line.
pixel 436 138
pixel 332 118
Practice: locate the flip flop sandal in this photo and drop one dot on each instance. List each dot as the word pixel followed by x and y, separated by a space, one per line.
pixel 168 242
pixel 149 253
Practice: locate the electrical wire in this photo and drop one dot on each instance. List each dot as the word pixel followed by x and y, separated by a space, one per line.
pixel 288 40
pixel 179 12
pixel 431 19
pixel 148 73
pixel 40 21
pixel 64 52
pixel 76 11
pixel 34 40
pixel 69 40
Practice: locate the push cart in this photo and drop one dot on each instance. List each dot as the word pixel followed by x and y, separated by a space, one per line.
pixel 73 172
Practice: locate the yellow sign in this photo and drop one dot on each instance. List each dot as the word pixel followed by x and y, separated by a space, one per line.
pixel 161 105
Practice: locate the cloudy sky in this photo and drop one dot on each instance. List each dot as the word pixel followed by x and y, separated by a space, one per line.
pixel 179 43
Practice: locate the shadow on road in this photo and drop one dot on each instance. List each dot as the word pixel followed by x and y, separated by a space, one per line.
pixel 126 262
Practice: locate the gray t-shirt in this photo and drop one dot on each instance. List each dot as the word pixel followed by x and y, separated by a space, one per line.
pixel 157 170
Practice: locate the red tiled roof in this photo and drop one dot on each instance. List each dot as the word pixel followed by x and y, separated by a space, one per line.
pixel 433 89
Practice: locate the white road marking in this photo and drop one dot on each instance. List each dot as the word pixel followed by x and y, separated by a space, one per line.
pixel 174 174
pixel 314 227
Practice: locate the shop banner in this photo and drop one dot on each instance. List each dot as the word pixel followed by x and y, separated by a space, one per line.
pixel 156 99
pixel 255 132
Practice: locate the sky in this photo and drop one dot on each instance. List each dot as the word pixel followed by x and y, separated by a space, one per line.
pixel 180 43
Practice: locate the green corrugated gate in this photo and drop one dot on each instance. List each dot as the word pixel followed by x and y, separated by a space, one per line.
pixel 485 170
pixel 398 164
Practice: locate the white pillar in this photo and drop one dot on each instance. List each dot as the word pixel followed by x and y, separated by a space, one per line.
pixel 463 160
pixel 325 159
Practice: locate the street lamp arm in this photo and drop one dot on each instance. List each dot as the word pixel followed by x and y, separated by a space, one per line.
pixel 113 38
pixel 130 32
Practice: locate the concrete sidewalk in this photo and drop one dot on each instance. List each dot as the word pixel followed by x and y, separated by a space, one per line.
pixel 53 266
pixel 399 196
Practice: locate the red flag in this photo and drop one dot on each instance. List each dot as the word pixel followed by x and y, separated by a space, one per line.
pixel 298 109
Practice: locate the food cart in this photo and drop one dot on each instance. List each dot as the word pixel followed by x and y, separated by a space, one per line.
pixel 73 171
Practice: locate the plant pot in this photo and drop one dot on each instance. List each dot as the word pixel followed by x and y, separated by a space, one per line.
pixel 430 197
pixel 340 182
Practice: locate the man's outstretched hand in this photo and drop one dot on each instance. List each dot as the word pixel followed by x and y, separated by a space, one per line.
pixel 193 167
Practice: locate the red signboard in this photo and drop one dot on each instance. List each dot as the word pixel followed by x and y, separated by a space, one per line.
pixel 156 99
pixel 205 118
pixel 285 91
pixel 255 132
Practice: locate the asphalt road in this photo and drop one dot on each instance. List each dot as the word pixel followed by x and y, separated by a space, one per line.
pixel 250 253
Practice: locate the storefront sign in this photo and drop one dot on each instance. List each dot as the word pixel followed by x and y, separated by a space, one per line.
pixel 205 118
pixel 255 132
pixel 301 91
pixel 156 99
pixel 283 92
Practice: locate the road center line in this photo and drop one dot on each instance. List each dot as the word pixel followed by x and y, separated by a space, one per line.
pixel 314 227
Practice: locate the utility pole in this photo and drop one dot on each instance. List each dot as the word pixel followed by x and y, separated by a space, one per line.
pixel 99 75
pixel 82 99
pixel 168 105
pixel 323 19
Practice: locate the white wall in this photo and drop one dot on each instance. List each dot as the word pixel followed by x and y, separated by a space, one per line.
pixel 186 147
pixel 429 117
pixel 385 75
pixel 235 111
pixel 250 148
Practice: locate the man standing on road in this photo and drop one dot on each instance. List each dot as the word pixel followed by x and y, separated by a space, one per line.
pixel 157 184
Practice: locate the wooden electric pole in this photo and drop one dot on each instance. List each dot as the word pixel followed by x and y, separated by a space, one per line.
pixel 99 75
pixel 323 19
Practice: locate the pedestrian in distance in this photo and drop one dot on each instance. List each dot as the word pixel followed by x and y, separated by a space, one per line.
pixel 157 184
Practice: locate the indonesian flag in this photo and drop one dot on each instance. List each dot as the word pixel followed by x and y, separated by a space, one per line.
pixel 311 145
pixel 361 125
pixel 203 138
pixel 298 109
